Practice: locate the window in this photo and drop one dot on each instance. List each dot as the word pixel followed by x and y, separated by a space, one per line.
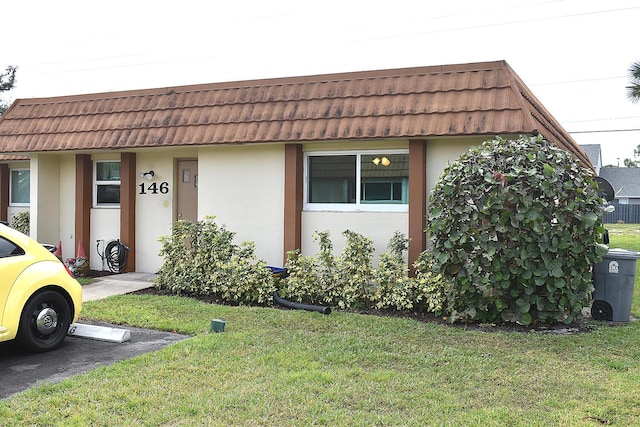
pixel 20 181
pixel 352 181
pixel 332 179
pixel 107 183
pixel 8 248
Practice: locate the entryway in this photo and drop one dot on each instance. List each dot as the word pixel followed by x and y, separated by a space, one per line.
pixel 187 190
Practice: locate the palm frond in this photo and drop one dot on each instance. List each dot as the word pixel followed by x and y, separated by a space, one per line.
pixel 633 90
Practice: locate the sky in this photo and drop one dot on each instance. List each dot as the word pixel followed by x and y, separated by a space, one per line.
pixel 574 55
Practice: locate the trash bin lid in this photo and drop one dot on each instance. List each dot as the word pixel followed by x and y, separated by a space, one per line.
pixel 617 253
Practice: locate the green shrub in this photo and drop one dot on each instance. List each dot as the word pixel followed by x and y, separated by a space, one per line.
pixel 515 225
pixel 356 270
pixel 430 290
pixel 21 222
pixel 302 283
pixel 351 281
pixel 201 259
pixel 321 278
pixel 393 287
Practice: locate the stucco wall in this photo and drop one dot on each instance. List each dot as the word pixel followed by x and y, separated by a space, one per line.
pixel 45 188
pixel 155 212
pixel 243 186
pixel 67 199
pixel 441 152
pixel 378 226
pixel 105 226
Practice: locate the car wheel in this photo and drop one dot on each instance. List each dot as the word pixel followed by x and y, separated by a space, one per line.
pixel 44 322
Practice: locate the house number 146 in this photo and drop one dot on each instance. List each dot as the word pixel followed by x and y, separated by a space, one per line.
pixel 154 188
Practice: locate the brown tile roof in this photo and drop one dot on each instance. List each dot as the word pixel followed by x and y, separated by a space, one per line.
pixel 452 100
pixel 8 157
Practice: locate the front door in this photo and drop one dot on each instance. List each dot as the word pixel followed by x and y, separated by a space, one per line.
pixel 187 190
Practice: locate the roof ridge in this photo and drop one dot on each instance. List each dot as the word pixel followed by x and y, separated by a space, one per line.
pixel 268 120
pixel 307 97
pixel 271 82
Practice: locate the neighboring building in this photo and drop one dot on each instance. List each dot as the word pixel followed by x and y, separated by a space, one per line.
pixel 594 152
pixel 625 183
pixel 626 187
pixel 274 160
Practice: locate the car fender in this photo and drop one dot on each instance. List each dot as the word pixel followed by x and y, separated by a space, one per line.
pixel 38 276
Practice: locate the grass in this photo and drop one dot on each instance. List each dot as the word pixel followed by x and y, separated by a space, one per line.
pixel 276 367
pixel 85 280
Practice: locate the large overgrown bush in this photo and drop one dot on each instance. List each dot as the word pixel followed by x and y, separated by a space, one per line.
pixel 515 226
pixel 201 259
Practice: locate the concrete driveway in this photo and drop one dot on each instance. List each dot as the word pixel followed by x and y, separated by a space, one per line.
pixel 20 370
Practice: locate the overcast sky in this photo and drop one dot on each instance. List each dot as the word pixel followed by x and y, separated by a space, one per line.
pixel 573 54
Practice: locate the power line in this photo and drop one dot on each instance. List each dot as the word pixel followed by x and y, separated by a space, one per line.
pixel 605 131
pixel 497 24
pixel 368 39
pixel 601 120
pixel 594 79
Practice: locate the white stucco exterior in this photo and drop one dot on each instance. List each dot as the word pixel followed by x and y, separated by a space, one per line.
pixel 241 185
pixel 45 188
pixel 67 197
pixel 378 226
pixel 155 212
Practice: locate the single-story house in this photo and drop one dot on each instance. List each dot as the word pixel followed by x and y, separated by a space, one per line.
pixel 625 183
pixel 626 189
pixel 274 160
pixel 594 153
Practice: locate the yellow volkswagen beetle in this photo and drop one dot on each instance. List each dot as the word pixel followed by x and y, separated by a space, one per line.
pixel 39 298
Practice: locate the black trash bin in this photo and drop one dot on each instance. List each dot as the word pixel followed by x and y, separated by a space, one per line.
pixel 613 279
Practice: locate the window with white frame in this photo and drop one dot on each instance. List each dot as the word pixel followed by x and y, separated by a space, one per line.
pixel 366 180
pixel 106 183
pixel 19 185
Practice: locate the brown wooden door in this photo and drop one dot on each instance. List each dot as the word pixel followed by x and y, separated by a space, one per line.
pixel 187 190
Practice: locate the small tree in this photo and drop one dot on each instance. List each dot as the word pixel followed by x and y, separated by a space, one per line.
pixel 633 90
pixel 515 226
pixel 7 82
pixel 633 163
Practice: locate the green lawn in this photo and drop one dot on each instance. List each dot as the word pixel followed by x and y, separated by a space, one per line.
pixel 276 367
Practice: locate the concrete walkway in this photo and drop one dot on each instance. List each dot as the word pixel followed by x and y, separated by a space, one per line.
pixel 117 284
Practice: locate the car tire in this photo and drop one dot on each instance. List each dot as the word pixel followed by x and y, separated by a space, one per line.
pixel 44 322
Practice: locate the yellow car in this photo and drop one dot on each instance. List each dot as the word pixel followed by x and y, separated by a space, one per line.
pixel 39 298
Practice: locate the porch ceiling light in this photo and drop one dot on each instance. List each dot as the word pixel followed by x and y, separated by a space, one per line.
pixel 384 161
pixel 148 175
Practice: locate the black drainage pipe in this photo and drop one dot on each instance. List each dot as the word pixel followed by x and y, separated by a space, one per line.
pixel 300 306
